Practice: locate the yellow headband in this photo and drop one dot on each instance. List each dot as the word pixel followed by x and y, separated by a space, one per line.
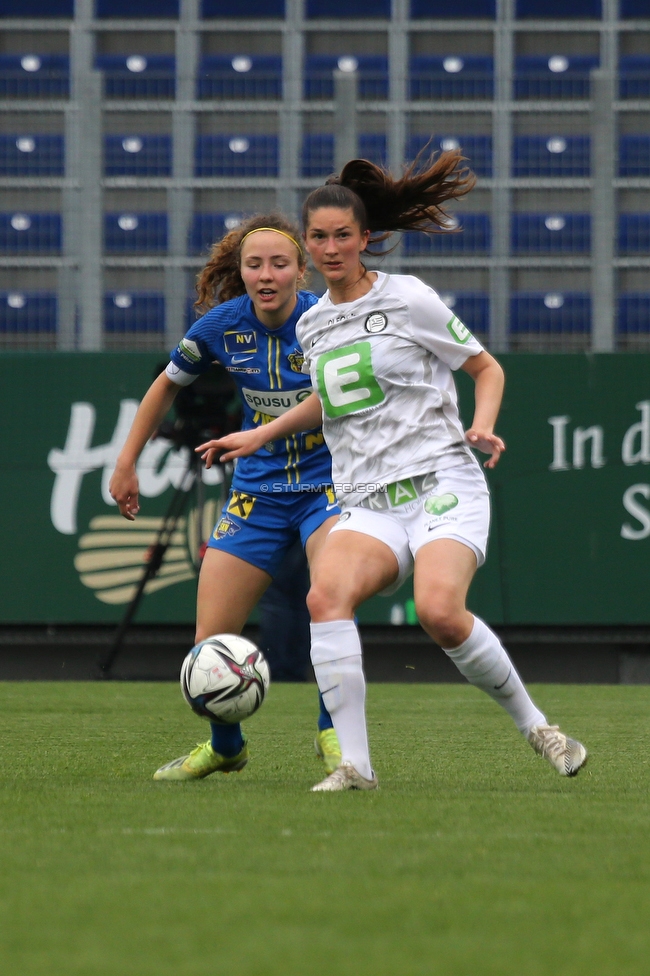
pixel 275 231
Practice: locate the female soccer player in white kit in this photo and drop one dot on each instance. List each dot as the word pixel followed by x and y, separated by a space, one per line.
pixel 381 350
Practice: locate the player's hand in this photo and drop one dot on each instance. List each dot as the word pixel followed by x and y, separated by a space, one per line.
pixel 487 443
pixel 124 488
pixel 240 444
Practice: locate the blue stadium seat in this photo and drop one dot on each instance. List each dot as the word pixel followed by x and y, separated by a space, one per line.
pixel 477 149
pixel 34 75
pixel 543 313
pixel 553 76
pixel 474 236
pixel 634 156
pixel 348 8
pixel 136 8
pixel 30 233
pixel 551 233
pixel 37 8
pixel 236 155
pixel 634 75
pixel 559 9
pixel 128 233
pixel 138 75
pixel 138 155
pixel 372 71
pixel 634 233
pixel 551 156
pixel 207 228
pixel 240 76
pixel 634 313
pixel 452 76
pixel 634 10
pixel 134 311
pixel 259 9
pixel 460 9
pixel 31 155
pixel 318 152
pixel 27 311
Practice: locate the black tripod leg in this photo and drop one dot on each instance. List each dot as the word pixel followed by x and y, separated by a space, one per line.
pixel 165 534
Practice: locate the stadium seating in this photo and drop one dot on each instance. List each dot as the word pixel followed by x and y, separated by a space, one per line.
pixel 136 8
pixel 348 8
pixel 452 76
pixel 472 308
pixel 37 8
pixel 634 156
pixel 555 76
pixel 147 155
pixel 477 149
pixel 207 228
pixel 251 8
pixel 34 75
pixel 237 155
pixel 27 312
pixel 30 233
pixel 318 152
pixel 551 233
pixel 634 9
pixel 634 75
pixel 240 76
pixel 129 233
pixel 138 75
pixel 550 312
pixel 138 311
pixel 634 313
pixel 551 156
pixel 634 233
pixel 31 155
pixel 372 71
pixel 473 237
pixel 559 9
pixel 460 9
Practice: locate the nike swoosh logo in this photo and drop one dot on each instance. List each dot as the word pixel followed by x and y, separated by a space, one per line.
pixel 328 508
pixel 241 359
pixel 498 687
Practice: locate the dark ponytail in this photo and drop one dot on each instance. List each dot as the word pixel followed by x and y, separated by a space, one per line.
pixel 221 278
pixel 382 204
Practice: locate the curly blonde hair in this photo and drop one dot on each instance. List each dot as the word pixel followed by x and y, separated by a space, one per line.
pixel 221 278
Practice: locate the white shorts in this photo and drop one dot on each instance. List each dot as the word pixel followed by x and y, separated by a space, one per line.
pixel 450 504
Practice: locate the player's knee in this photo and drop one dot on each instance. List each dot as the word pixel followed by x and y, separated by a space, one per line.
pixel 443 621
pixel 325 603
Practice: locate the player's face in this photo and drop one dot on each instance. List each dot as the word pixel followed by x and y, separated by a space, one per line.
pixel 335 242
pixel 269 268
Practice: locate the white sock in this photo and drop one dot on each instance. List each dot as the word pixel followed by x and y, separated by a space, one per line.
pixel 483 660
pixel 338 665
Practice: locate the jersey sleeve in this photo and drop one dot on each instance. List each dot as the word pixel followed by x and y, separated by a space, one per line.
pixel 436 328
pixel 194 353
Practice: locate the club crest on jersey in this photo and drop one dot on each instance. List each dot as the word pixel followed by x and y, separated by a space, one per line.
pixel 225 526
pixel 296 359
pixel 240 341
pixel 375 322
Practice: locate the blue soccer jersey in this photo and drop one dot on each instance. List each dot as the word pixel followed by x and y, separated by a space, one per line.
pixel 266 364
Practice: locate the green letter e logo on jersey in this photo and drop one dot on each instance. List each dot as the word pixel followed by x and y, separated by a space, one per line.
pixel 346 381
pixel 459 332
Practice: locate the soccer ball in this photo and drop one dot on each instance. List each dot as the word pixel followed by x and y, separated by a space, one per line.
pixel 225 678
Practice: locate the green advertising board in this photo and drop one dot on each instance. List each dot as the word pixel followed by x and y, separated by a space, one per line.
pixel 570 540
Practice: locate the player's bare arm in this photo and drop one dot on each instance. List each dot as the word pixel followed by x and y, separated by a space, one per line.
pixel 123 485
pixel 305 416
pixel 489 381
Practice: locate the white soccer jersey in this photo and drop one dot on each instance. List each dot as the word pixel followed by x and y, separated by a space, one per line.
pixel 382 368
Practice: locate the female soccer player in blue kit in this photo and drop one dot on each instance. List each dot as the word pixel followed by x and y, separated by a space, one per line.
pixel 281 492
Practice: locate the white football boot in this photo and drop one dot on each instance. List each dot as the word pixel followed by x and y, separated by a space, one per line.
pixel 567 755
pixel 345 778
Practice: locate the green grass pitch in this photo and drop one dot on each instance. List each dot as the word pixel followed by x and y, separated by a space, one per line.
pixel 474 858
